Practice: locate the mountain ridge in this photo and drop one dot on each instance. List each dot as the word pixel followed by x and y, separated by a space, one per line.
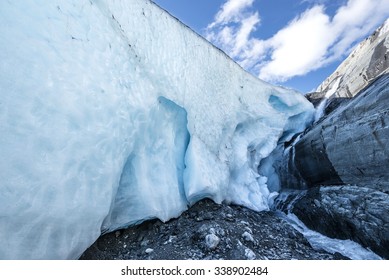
pixel 368 60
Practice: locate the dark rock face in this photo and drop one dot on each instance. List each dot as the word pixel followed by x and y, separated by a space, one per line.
pixel 331 104
pixel 350 145
pixel 209 231
pixel 282 162
pixel 348 212
pixel 315 98
pixel 334 103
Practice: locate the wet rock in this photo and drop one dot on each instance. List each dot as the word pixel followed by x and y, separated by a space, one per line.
pixel 349 146
pixel 348 212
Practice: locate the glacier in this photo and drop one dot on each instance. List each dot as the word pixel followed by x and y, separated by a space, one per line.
pixel 113 112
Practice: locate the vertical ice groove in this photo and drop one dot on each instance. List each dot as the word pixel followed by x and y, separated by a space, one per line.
pixel 154 170
pixel 113 112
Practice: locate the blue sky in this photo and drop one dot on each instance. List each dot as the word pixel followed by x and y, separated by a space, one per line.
pixel 296 44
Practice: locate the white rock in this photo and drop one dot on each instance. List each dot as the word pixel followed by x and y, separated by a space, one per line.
pixel 248 237
pixel 249 230
pixel 212 241
pixel 250 255
pixel 149 251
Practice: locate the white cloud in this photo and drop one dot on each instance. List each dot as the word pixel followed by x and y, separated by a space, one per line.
pixel 300 46
pixel 233 26
pixel 231 11
pixel 314 1
pixel 308 42
pixel 244 31
pixel 354 21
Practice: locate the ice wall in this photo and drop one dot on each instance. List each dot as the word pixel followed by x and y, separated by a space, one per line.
pixel 113 112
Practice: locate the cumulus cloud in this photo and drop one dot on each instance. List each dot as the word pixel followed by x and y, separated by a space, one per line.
pixel 299 47
pixel 233 25
pixel 232 11
pixel 314 1
pixel 308 42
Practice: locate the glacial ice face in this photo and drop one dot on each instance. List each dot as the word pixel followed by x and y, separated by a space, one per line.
pixel 113 112
pixel 151 184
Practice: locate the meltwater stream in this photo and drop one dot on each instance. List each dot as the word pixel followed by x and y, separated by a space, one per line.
pixel 283 205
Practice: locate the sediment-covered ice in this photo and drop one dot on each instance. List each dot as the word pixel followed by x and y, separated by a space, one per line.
pixel 113 112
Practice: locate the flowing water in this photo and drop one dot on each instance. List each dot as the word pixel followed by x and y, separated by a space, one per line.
pixel 283 206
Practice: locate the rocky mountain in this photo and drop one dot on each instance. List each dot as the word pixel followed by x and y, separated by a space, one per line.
pixel 343 159
pixel 367 61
